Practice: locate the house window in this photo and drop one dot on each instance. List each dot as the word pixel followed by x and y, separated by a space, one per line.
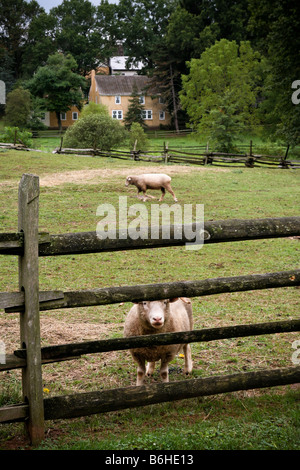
pixel 142 99
pixel 74 116
pixel 147 114
pixel 117 114
pixel 161 100
pixel 43 116
pixel 161 115
pixel 118 99
pixel 63 116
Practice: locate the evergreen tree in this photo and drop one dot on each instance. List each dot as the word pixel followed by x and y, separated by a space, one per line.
pixel 166 79
pixel 135 110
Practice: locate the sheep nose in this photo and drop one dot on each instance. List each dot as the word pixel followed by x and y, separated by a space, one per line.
pixel 157 320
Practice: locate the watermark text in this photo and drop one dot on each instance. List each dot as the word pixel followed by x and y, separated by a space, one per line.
pixel 155 221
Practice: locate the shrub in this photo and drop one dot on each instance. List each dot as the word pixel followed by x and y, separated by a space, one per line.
pixel 17 111
pixel 97 131
pixel 93 108
pixel 16 136
pixel 137 134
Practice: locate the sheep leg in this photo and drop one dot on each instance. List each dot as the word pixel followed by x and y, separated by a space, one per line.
pixel 164 367
pixel 150 369
pixel 163 192
pixel 141 368
pixel 168 188
pixel 138 195
pixel 164 371
pixel 149 196
pixel 188 363
pixel 144 198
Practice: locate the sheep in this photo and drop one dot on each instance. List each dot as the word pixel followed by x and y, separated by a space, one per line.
pixel 160 316
pixel 151 181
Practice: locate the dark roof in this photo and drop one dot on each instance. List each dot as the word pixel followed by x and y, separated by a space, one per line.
pixel 121 84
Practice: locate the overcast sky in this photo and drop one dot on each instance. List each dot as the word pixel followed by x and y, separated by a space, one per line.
pixel 48 4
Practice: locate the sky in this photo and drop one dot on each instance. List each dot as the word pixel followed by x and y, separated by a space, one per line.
pixel 48 4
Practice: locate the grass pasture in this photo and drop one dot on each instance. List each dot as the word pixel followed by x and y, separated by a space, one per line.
pixel 71 189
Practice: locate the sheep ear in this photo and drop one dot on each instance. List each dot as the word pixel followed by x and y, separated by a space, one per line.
pixel 173 299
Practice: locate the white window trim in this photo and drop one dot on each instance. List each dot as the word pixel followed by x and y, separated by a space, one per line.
pixel 118 99
pixel 142 99
pixel 74 116
pixel 162 115
pixel 145 114
pixel 117 112
pixel 63 116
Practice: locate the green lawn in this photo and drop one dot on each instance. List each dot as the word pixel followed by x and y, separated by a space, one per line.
pixel 71 190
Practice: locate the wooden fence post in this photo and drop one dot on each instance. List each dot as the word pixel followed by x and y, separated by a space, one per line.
pixel 29 318
pixel 166 152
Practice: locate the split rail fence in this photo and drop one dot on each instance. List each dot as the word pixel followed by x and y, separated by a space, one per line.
pixel 200 155
pixel 29 245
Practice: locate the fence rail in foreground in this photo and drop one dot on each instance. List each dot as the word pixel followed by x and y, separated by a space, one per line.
pixel 28 244
pixel 214 232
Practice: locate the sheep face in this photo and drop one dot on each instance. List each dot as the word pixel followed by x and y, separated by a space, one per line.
pixel 128 181
pixel 154 314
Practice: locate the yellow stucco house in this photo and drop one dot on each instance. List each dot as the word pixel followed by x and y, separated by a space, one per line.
pixel 49 119
pixel 115 91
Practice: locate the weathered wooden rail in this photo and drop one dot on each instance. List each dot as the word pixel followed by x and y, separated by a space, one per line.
pixel 29 245
pixel 198 156
pixel 214 232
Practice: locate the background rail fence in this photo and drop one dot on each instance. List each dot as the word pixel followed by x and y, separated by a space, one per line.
pixel 29 245
pixel 200 155
pixel 194 155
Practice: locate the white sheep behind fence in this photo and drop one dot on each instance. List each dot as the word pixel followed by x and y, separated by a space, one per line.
pixel 162 316
pixel 151 181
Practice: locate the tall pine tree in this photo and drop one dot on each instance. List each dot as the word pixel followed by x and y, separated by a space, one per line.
pixel 135 109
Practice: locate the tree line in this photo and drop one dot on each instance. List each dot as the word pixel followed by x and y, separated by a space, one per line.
pixel 221 66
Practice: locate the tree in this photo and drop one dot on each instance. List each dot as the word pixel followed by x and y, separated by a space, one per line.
pixel 76 33
pixel 135 109
pixel 58 84
pixel 148 21
pixel 274 25
pixel 166 79
pixel 97 131
pixel 15 21
pixel 17 111
pixel 220 92
pixel 40 43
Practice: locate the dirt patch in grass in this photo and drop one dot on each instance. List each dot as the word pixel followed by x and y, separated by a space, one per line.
pixel 54 331
pixel 75 375
pixel 95 175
